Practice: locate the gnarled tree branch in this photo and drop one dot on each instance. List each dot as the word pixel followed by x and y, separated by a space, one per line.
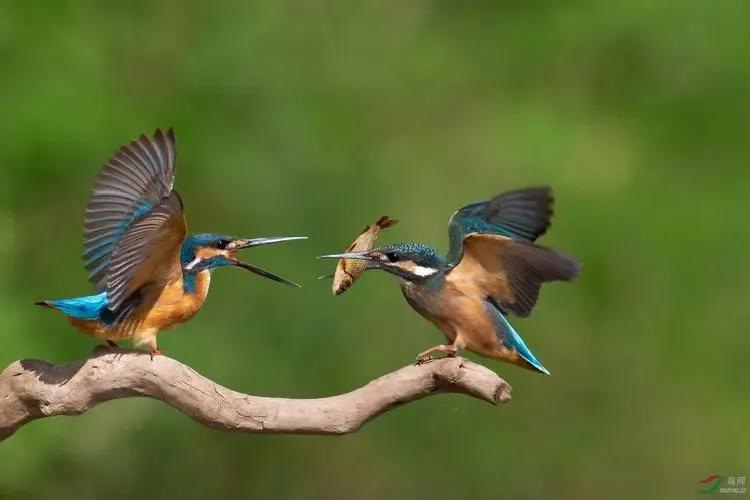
pixel 32 389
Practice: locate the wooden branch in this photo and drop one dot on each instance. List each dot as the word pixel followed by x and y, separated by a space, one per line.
pixel 32 389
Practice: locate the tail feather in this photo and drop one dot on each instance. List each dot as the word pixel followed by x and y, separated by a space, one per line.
pixel 513 341
pixel 88 308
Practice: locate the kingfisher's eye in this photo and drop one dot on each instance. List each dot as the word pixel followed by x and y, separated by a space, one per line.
pixel 222 244
pixel 392 256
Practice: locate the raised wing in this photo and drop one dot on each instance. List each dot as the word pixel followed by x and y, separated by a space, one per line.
pixel 132 199
pixel 509 272
pixel 522 214
pixel 148 252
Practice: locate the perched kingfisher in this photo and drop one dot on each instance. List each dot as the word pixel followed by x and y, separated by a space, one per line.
pixel 493 268
pixel 148 273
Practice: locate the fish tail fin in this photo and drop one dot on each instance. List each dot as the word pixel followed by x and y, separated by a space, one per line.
pixel 385 222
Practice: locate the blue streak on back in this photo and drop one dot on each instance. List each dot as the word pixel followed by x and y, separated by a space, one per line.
pixel 512 340
pixel 88 307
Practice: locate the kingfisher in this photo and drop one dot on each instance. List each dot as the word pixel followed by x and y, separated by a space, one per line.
pixel 148 273
pixel 493 268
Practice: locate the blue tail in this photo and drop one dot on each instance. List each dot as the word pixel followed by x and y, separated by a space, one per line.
pixel 89 307
pixel 512 340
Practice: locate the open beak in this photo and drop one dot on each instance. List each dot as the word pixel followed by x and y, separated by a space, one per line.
pixel 256 242
pixel 351 255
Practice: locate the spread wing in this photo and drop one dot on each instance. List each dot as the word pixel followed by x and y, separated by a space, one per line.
pixel 523 214
pixel 509 272
pixel 148 251
pixel 133 223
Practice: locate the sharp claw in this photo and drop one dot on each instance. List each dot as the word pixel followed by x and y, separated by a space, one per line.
pixel 450 351
pixel 422 359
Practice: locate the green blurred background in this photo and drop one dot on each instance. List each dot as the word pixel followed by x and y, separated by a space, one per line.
pixel 316 118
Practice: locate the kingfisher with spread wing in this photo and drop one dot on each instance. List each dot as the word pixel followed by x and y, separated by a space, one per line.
pixel 148 273
pixel 493 269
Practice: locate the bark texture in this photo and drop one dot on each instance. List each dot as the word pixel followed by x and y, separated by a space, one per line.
pixel 32 389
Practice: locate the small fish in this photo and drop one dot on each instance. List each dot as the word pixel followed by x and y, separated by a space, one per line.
pixel 347 271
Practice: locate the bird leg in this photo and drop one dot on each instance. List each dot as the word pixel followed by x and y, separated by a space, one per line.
pixel 155 351
pixel 112 344
pixel 450 351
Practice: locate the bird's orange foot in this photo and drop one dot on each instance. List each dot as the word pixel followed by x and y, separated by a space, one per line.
pixel 156 352
pixel 450 351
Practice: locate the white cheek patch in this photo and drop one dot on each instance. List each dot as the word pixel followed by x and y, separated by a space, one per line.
pixel 424 271
pixel 206 256
pixel 193 263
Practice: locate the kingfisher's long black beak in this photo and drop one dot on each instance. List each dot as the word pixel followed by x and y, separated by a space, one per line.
pixel 256 242
pixel 266 274
pixel 351 255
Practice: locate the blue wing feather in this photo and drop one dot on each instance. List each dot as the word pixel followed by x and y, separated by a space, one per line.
pixel 523 214
pixel 134 181
pixel 153 240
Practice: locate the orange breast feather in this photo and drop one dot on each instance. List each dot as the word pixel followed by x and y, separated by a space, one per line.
pixel 174 306
pixel 166 307
pixel 464 319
